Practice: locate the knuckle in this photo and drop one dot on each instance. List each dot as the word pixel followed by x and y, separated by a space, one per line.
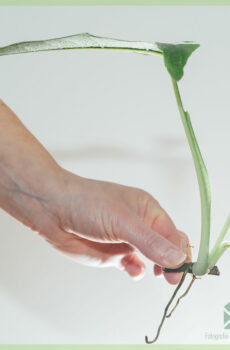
pixel 147 198
pixel 149 208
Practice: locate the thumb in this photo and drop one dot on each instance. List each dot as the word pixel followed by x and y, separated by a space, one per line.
pixel 152 244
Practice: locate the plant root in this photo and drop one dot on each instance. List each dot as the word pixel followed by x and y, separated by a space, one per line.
pixel 185 268
pixel 183 295
pixel 188 252
pixel 167 307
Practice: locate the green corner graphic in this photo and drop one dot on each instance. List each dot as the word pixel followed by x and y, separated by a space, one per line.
pixel 227 316
pixel 227 307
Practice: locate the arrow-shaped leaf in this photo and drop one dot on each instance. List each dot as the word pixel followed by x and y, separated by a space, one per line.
pixel 176 56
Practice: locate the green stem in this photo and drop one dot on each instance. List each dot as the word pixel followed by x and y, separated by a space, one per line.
pixel 201 266
pixel 218 253
pixel 219 248
pixel 4 50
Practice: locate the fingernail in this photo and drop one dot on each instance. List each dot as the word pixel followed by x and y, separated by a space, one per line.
pixel 174 257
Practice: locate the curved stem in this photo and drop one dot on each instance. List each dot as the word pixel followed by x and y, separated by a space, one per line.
pixel 186 266
pixel 189 266
pixel 219 252
pixel 218 248
pixel 81 41
pixel 3 50
pixel 201 266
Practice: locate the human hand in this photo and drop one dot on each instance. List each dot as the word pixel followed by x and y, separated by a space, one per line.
pixel 94 222
pixel 103 224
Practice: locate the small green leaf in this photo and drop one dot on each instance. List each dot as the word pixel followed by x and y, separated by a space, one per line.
pixel 176 56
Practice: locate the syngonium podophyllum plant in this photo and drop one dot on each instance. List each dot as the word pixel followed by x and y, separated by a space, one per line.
pixel 175 57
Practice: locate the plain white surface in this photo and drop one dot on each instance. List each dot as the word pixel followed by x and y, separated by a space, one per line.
pixel 112 116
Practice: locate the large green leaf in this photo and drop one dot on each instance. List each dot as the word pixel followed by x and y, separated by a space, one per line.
pixel 176 56
pixel 79 41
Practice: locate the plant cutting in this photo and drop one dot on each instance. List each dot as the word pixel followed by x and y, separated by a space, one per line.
pixel 175 57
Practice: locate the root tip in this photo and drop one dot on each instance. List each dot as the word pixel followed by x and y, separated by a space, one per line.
pixel 147 340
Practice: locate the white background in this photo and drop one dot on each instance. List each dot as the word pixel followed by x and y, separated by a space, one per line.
pixel 112 116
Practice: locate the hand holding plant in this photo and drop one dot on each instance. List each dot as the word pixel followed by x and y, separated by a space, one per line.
pixel 106 213
pixel 94 222
pixel 175 58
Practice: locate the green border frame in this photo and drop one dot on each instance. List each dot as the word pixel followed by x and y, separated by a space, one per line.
pixel 115 2
pixel 114 347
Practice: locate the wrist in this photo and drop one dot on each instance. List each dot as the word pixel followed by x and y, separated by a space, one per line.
pixel 66 192
pixel 30 195
pixel 32 184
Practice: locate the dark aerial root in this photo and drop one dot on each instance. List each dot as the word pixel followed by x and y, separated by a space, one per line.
pixel 213 271
pixel 186 268
pixel 182 296
pixel 166 309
